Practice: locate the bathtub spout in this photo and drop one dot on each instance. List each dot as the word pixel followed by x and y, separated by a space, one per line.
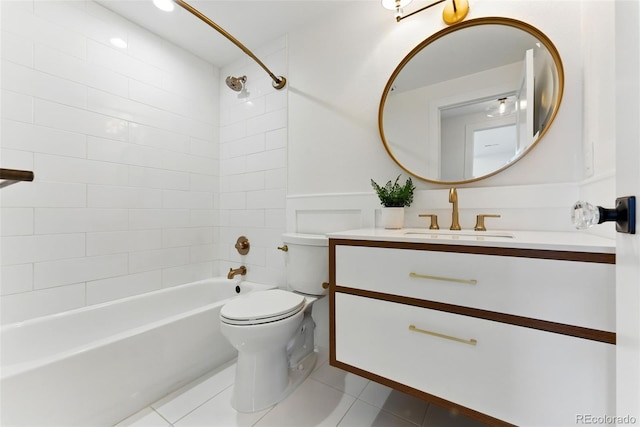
pixel 241 271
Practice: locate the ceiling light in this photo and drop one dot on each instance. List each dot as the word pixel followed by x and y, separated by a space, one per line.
pixel 503 107
pixel 118 42
pixel 166 5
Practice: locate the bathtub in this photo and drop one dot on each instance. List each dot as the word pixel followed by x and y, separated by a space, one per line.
pixel 96 365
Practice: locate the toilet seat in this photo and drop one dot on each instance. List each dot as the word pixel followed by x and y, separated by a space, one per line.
pixel 260 307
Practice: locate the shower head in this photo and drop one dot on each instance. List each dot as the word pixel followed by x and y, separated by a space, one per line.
pixel 236 83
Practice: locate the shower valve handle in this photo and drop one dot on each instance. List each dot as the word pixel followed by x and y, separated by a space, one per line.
pixel 243 245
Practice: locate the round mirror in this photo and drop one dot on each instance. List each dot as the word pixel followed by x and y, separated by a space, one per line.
pixel 471 100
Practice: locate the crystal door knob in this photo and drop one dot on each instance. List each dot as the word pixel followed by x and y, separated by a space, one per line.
pixel 585 215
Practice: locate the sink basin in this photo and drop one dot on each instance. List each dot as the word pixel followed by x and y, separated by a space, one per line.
pixel 464 234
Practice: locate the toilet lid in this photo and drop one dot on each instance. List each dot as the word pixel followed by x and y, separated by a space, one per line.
pixel 262 307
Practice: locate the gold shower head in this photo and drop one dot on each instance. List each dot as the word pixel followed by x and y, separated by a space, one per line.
pixel 236 83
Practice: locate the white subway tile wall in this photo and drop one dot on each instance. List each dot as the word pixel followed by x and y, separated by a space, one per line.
pixel 253 161
pixel 124 147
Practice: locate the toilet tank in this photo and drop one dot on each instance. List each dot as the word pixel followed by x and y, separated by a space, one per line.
pixel 307 262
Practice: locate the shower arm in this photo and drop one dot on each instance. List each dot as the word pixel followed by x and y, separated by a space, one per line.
pixel 278 82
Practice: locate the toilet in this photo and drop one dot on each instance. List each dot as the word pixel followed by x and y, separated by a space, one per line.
pixel 273 329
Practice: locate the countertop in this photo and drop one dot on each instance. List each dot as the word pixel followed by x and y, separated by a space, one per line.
pixel 578 241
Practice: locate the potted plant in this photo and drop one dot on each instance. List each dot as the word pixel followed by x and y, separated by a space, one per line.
pixel 394 197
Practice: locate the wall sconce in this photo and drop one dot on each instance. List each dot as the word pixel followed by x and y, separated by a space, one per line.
pixel 454 11
pixel 397 5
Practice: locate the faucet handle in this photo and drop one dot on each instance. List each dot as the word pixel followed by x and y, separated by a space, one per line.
pixel 434 221
pixel 480 221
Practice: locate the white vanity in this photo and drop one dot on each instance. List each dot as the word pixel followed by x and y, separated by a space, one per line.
pixel 503 327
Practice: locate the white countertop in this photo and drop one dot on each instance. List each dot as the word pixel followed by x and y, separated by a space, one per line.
pixel 578 241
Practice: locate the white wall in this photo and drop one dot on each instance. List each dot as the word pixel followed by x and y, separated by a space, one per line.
pixel 599 89
pixel 599 141
pixel 124 147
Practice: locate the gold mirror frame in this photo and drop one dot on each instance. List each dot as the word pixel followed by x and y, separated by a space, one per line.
pixel 541 37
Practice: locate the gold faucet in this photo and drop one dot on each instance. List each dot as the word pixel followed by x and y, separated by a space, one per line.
pixel 241 271
pixel 453 198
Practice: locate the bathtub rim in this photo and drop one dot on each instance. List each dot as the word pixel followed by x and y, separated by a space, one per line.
pixel 12 370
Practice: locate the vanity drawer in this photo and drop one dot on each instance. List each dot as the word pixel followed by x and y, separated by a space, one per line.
pixel 568 292
pixel 519 375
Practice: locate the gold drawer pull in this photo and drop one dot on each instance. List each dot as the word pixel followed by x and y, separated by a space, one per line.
pixel 435 334
pixel 446 279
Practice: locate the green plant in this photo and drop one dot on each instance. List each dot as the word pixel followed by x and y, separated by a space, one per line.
pixel 394 195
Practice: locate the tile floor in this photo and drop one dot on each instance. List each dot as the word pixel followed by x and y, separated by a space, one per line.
pixel 329 397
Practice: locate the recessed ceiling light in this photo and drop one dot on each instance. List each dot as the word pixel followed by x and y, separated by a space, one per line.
pixel 166 5
pixel 118 42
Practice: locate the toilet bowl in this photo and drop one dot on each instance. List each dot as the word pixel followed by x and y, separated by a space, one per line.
pixel 273 329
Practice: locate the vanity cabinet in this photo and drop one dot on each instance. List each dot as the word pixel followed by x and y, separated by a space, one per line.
pixel 502 335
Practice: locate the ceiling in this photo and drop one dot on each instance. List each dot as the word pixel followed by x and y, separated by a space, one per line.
pixel 252 22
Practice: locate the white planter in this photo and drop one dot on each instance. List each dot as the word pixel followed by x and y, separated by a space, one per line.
pixel 392 218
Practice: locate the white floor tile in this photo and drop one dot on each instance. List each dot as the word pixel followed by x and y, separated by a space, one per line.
pixel 218 412
pixel 329 397
pixel 339 379
pixel 145 418
pixel 323 356
pixel 181 402
pixel 403 405
pixel 312 404
pixel 362 414
pixel 439 417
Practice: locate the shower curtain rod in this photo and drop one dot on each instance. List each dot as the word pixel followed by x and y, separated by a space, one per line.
pixel 278 82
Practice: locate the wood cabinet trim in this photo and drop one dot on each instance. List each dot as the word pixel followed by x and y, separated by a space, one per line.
pixel 526 322
pixel 443 403
pixel 597 257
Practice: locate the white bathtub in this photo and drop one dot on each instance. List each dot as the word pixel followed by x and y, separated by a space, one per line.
pixel 96 365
